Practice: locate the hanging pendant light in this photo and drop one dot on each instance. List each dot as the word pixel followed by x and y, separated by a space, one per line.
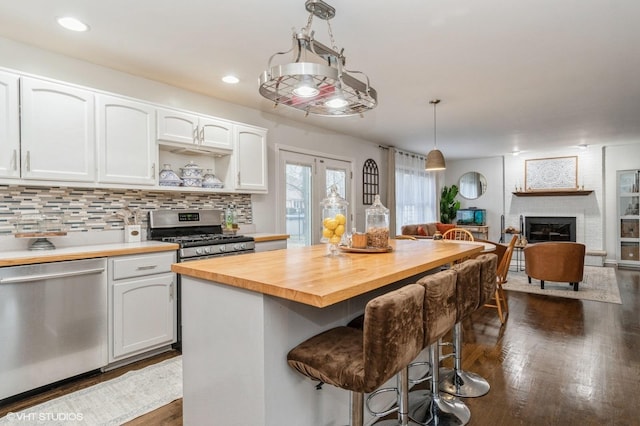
pixel 316 82
pixel 435 159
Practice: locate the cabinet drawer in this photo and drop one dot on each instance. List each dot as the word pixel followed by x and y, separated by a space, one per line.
pixel 145 264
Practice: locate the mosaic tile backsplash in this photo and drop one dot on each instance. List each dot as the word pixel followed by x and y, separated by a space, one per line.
pixel 91 209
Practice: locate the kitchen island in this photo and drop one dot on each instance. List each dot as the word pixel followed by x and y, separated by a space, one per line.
pixel 242 314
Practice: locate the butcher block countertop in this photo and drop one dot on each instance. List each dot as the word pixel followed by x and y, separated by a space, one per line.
pixel 263 237
pixel 306 275
pixel 27 257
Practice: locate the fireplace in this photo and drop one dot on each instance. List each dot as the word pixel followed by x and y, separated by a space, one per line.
pixel 549 228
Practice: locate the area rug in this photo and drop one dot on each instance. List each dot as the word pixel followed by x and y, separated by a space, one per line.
pixel 109 403
pixel 599 284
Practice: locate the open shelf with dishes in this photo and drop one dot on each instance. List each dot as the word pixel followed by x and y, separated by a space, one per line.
pixel 188 170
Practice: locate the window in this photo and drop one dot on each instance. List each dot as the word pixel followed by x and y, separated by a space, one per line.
pixel 415 191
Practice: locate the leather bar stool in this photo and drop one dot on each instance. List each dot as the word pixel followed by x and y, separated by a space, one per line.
pixel 476 284
pixel 363 360
pixel 429 407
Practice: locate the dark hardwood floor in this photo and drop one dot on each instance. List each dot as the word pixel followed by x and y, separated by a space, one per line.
pixel 555 362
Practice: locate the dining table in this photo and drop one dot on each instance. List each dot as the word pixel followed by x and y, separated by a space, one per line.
pixel 242 314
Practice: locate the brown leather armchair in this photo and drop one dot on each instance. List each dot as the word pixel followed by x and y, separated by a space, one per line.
pixel 555 261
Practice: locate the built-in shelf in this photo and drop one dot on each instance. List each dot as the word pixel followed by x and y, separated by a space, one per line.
pixel 551 193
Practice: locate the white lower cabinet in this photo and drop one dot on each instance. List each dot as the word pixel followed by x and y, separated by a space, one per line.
pixel 142 304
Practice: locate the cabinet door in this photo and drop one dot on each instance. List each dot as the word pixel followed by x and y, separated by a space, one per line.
pixel 629 216
pixel 175 126
pixel 9 126
pixel 251 158
pixel 216 133
pixel 127 150
pixel 58 132
pixel 144 314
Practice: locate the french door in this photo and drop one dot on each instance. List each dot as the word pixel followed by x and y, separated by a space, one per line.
pixel 304 182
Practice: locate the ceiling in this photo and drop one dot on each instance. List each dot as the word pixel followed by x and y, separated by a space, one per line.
pixel 512 75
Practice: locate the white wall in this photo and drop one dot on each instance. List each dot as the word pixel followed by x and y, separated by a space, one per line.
pixel 492 200
pixel 24 58
pixel 588 210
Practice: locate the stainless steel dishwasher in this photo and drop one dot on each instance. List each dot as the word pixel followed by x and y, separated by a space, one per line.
pixel 53 323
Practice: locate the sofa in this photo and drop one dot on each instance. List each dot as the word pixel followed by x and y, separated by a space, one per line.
pixel 561 262
pixel 425 230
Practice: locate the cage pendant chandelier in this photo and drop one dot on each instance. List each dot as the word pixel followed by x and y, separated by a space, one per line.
pixel 317 81
pixel 435 159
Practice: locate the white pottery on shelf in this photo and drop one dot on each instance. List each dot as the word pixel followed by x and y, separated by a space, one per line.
pixel 192 182
pixel 211 181
pixel 191 170
pixel 168 177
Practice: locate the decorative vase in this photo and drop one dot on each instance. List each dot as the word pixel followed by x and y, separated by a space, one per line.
pixel 132 233
pixel 334 220
pixel 377 224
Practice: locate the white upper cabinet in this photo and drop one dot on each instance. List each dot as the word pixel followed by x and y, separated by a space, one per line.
pixel 251 158
pixel 57 131
pixel 175 126
pixel 216 133
pixel 197 132
pixel 127 150
pixel 9 126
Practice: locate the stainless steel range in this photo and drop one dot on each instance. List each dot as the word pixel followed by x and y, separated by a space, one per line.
pixel 199 235
pixel 198 232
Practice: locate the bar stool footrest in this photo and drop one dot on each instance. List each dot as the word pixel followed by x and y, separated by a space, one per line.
pixel 463 383
pixel 446 410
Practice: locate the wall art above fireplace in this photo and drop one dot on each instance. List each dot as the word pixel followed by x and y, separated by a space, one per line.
pixel 559 173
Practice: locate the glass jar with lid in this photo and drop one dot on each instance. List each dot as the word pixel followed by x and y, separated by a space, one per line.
pixel 377 224
pixel 334 220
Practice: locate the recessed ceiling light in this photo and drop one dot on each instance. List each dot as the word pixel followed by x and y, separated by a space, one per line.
pixel 230 79
pixel 72 24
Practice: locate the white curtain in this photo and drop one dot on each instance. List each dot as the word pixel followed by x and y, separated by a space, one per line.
pixel 415 191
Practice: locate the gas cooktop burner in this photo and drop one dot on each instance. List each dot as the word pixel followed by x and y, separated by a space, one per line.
pixel 205 239
pixel 199 238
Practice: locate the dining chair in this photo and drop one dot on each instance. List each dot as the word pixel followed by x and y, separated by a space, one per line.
pixel 501 277
pixel 458 234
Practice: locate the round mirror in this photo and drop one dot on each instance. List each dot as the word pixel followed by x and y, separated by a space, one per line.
pixel 472 185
